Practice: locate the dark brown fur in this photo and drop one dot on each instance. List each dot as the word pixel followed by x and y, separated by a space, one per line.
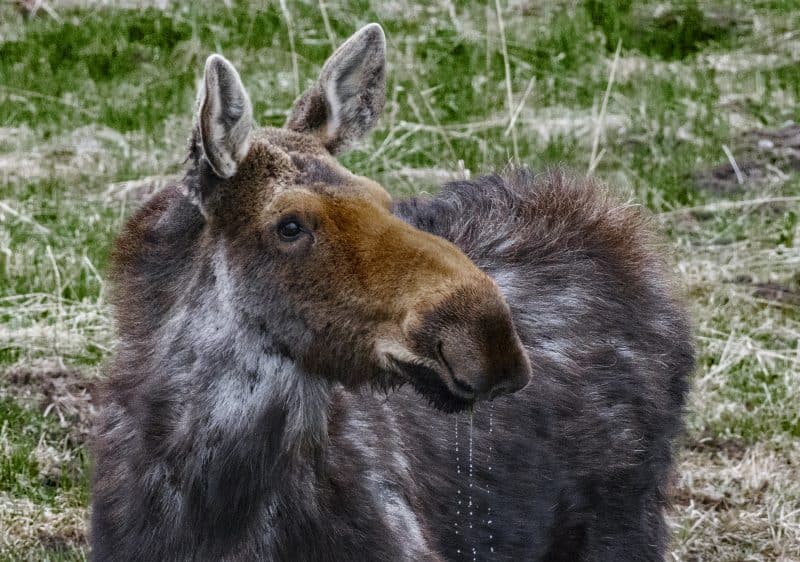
pixel 250 415
pixel 577 464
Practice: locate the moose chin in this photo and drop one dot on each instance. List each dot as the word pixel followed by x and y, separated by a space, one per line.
pixel 293 344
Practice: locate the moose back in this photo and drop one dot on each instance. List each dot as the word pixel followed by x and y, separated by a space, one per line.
pixel 294 347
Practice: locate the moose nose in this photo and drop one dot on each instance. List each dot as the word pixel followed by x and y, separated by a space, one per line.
pixel 484 369
pixel 480 354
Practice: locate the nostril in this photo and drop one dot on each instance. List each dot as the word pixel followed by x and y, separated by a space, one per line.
pixel 442 358
pixel 459 384
pixel 445 362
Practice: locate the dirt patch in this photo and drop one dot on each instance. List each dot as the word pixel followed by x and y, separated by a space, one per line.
pixel 775 292
pixel 772 291
pixel 737 506
pixel 732 447
pixel 724 179
pixel 684 497
pixel 66 394
pixel 59 528
pixel 760 157
pixel 62 542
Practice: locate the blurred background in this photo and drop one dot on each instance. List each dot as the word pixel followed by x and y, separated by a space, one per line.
pixel 690 108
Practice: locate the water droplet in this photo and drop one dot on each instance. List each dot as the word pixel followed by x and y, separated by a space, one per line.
pixel 471 418
pixel 458 473
pixel 489 467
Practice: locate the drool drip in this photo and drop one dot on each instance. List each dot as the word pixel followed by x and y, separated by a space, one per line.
pixel 470 505
pixel 458 479
pixel 488 480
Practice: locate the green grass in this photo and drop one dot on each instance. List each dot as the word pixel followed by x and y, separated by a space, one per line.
pixel 26 437
pixel 680 30
pixel 42 465
pixel 103 96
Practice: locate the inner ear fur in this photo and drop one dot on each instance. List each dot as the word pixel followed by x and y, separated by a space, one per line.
pixel 348 98
pixel 224 117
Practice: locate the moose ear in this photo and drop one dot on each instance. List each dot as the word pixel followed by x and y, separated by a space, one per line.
pixel 224 117
pixel 350 94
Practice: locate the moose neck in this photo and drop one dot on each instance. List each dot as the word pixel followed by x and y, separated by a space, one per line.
pixel 255 423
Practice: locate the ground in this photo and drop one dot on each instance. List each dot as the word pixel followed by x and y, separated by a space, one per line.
pixel 689 108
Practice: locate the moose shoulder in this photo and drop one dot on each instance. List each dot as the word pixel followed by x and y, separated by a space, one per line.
pixel 293 344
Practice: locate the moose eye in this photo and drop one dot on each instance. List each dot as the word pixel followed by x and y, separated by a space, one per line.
pixel 289 229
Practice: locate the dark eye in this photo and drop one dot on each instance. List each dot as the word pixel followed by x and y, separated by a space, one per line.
pixel 289 229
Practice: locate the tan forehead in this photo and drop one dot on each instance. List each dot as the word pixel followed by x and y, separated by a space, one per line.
pixel 337 208
pixel 316 171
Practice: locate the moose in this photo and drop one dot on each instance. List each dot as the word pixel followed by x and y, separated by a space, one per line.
pixel 295 348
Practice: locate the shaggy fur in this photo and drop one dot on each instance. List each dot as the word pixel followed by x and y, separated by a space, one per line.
pixel 575 466
pixel 249 414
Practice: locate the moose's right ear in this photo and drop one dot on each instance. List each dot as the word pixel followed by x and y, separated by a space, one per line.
pixel 350 94
pixel 224 117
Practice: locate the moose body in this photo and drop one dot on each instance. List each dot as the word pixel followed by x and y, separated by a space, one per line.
pixel 293 347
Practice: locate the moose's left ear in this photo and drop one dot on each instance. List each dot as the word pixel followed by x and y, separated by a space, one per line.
pixel 224 116
pixel 350 94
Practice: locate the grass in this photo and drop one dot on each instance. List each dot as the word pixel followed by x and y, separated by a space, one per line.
pixel 43 486
pixel 96 100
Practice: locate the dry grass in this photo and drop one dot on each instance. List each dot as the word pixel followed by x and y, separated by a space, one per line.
pixel 28 525
pixel 735 502
pixel 738 492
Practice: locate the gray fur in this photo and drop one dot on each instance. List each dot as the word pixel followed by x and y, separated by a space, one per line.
pixel 578 463
pixel 216 442
pixel 240 455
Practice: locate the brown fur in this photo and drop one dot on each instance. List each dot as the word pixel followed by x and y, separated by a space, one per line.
pixel 363 266
pixel 261 302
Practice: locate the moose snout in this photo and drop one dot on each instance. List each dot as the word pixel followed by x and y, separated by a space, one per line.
pixel 478 350
pixel 485 367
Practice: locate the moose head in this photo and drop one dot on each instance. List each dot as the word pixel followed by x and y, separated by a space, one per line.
pixel 311 255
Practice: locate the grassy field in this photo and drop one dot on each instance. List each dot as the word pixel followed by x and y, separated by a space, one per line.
pixel 690 108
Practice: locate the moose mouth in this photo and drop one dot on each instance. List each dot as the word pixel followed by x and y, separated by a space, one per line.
pixel 431 384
